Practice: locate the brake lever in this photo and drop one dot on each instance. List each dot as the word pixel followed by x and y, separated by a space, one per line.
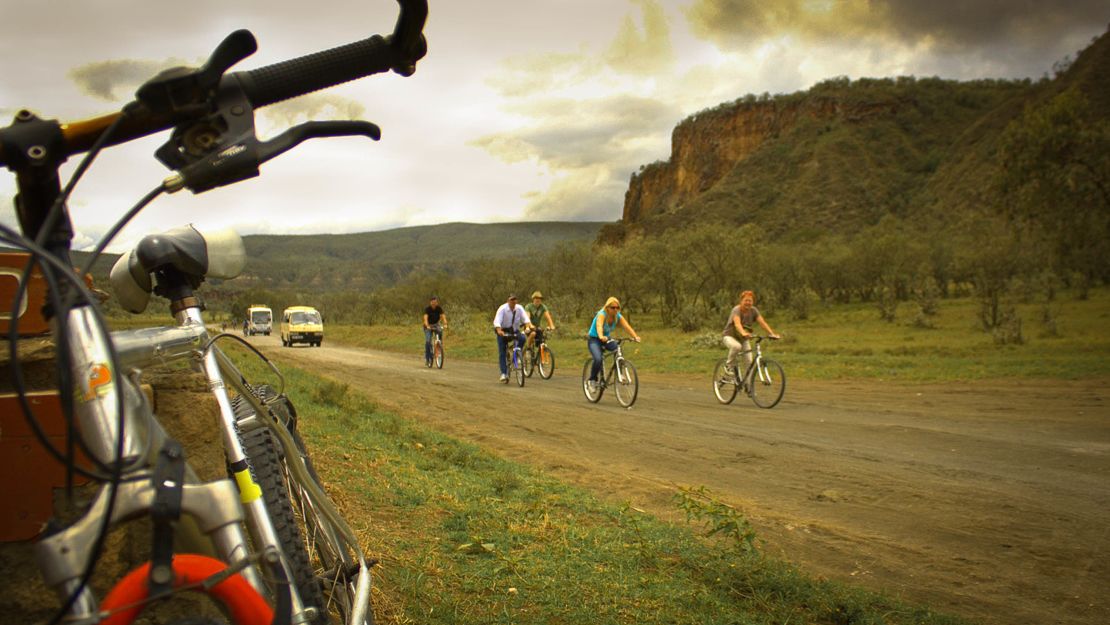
pixel 240 161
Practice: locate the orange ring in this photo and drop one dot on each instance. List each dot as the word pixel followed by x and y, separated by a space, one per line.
pixel 247 607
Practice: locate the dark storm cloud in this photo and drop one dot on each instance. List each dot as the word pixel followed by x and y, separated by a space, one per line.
pixel 950 24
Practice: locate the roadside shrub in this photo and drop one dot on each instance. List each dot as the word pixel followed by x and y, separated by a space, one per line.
pixel 1008 330
pixel 330 392
pixel 706 340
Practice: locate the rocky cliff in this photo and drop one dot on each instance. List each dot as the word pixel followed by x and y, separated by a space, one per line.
pixel 708 145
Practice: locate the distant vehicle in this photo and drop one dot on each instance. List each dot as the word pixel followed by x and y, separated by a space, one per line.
pixel 301 324
pixel 260 320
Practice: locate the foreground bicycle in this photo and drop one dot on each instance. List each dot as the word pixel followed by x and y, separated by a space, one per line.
pixel 764 380
pixel 143 472
pixel 622 377
pixel 538 355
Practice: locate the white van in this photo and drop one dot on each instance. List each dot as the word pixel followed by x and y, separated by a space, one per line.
pixel 260 320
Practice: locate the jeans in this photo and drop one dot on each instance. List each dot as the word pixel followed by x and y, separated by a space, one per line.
pixel 502 342
pixel 596 346
pixel 428 341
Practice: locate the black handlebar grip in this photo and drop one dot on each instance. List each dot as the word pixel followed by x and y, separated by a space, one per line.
pixel 312 72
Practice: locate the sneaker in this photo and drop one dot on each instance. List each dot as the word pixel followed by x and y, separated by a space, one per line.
pixel 504 377
pixel 592 385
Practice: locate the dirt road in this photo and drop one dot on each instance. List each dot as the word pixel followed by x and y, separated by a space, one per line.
pixel 987 500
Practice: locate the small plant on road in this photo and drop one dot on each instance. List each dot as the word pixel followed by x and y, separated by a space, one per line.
pixel 719 518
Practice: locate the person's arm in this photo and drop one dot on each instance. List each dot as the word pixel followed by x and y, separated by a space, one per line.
pixel 443 320
pixel 550 323
pixel 600 328
pixel 744 334
pixel 426 326
pixel 766 327
pixel 628 329
pixel 496 324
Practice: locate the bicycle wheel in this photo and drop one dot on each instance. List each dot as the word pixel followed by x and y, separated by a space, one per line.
pixel 438 357
pixel 592 394
pixel 329 555
pixel 518 366
pixel 265 457
pixel 627 383
pixel 768 384
pixel 724 383
pixel 546 362
pixel 529 356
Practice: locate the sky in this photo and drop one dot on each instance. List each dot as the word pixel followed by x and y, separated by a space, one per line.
pixel 521 111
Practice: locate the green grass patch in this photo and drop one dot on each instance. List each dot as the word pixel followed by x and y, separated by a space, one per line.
pixel 466 537
pixel 836 342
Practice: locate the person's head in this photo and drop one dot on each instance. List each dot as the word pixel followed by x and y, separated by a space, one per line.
pixel 537 298
pixel 747 299
pixel 433 301
pixel 512 301
pixel 612 307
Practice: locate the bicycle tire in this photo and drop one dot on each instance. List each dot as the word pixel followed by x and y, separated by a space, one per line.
pixel 529 357
pixel 438 358
pixel 598 391
pixel 627 387
pixel 724 385
pixel 518 367
pixel 546 362
pixel 265 457
pixel 767 391
pixel 329 555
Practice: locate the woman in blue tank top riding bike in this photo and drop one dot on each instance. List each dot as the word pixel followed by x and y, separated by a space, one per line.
pixel 601 329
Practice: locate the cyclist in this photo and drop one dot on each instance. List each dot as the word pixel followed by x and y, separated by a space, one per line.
pixel 508 318
pixel 435 320
pixel 538 313
pixel 738 331
pixel 600 332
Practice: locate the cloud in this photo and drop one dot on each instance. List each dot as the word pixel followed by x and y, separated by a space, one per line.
pixel 116 80
pixel 644 52
pixel 945 24
pixel 315 106
pixel 589 146
pixel 591 193
pixel 538 73
pixel 618 131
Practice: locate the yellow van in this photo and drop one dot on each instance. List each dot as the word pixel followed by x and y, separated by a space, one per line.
pixel 301 324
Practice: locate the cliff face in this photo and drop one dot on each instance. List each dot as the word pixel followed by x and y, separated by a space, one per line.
pixel 708 145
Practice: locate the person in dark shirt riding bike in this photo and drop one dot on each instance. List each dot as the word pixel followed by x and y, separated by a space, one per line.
pixel 435 320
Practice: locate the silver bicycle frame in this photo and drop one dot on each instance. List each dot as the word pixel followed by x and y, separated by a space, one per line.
pixel 101 427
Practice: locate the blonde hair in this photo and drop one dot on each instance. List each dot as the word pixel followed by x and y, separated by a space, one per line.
pixel 612 300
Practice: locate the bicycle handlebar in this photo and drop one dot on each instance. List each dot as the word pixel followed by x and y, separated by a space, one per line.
pixel 373 55
pixel 398 51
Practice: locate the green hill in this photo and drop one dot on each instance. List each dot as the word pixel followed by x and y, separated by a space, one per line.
pixel 374 259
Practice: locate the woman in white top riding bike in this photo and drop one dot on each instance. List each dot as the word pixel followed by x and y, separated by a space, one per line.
pixel 601 329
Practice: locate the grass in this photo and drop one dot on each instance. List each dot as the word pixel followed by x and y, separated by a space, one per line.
pixel 466 537
pixel 837 342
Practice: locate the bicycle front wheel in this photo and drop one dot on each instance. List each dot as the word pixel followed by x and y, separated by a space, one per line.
pixel 518 367
pixel 592 392
pixel 546 362
pixel 768 384
pixel 724 383
pixel 438 357
pixel 529 357
pixel 627 383
pixel 265 457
